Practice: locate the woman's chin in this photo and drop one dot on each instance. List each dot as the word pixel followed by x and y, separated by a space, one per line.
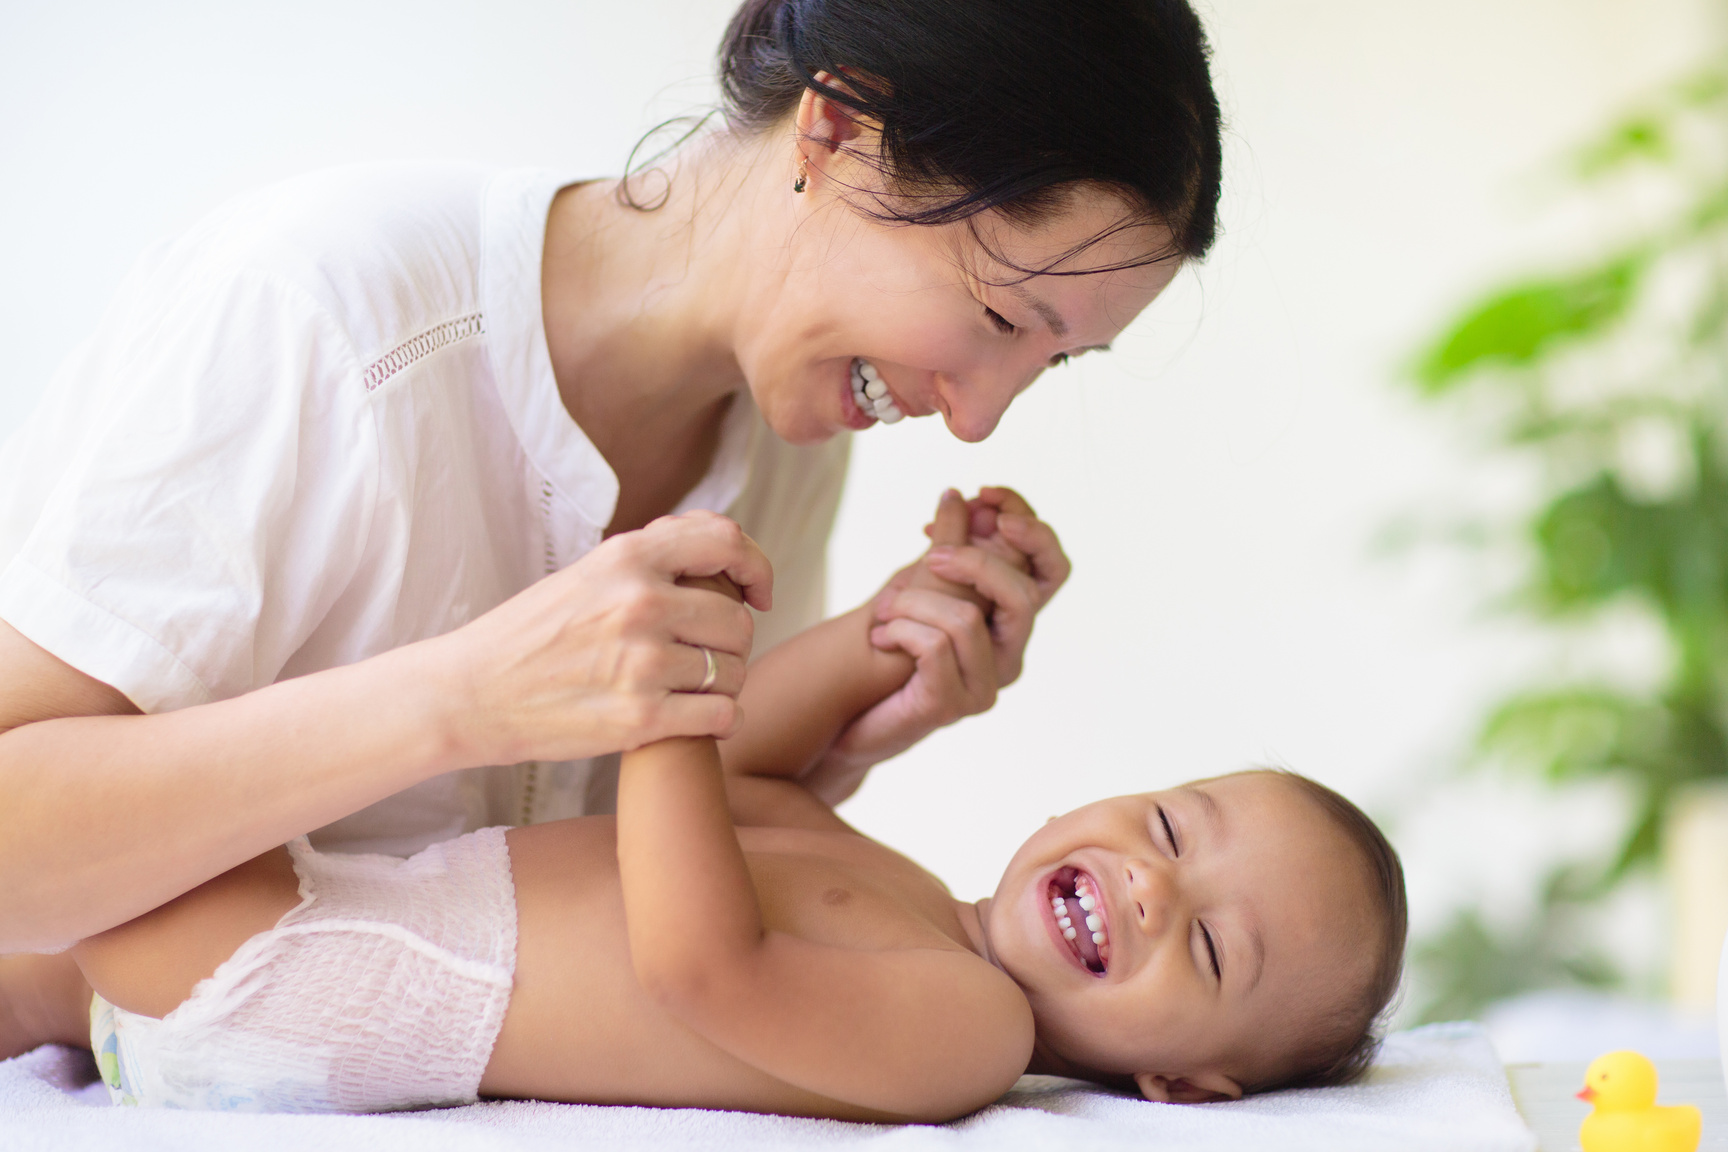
pixel 798 425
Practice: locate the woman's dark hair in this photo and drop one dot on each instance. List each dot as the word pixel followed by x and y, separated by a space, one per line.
pixel 1000 104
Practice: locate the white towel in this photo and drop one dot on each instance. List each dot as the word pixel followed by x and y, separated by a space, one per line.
pixel 1438 1088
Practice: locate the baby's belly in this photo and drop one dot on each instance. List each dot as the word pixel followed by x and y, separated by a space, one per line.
pixel 579 1026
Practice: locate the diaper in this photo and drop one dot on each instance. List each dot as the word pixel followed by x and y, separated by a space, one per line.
pixel 383 989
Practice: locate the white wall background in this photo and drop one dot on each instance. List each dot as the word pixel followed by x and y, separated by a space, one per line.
pixel 1218 480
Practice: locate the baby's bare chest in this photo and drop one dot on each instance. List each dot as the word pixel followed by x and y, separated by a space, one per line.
pixel 852 902
pixel 579 1025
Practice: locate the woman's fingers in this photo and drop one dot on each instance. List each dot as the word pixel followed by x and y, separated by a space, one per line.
pixel 607 654
pixel 707 544
pixel 660 668
pixel 965 632
pixel 1037 541
pixel 937 692
pixel 697 616
pixel 1015 596
pixel 1003 500
pixel 688 714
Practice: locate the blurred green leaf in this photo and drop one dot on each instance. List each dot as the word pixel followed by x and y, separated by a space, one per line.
pixel 1704 87
pixel 1468 965
pixel 1577 374
pixel 1641 138
pixel 1525 323
pixel 1710 210
pixel 1567 734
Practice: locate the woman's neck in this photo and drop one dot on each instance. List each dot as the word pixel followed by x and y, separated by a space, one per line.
pixel 641 307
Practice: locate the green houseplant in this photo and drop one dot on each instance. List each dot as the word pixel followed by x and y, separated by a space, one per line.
pixel 1567 369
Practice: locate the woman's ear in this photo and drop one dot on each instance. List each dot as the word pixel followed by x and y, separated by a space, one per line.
pixel 1205 1088
pixel 823 127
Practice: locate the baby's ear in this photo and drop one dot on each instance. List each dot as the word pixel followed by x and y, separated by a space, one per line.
pixel 1205 1088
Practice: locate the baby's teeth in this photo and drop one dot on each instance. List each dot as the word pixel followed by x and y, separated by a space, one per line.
pixel 1094 922
pixel 869 371
pixel 1064 922
pixel 875 389
pixel 1069 933
pixel 1088 902
pixel 1097 937
pixel 890 415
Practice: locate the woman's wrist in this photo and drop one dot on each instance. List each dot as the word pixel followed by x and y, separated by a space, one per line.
pixel 442 707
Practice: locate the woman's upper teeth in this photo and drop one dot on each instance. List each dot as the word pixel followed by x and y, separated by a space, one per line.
pixel 871 394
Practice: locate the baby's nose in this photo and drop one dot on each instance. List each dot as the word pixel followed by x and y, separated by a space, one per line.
pixel 1153 893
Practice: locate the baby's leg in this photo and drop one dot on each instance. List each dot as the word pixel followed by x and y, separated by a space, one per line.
pixel 147 965
pixel 43 1000
pixel 302 982
pixel 151 964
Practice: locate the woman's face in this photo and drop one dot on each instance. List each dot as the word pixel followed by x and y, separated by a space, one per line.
pixel 948 328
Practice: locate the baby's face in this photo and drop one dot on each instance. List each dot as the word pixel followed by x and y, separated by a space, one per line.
pixel 1229 911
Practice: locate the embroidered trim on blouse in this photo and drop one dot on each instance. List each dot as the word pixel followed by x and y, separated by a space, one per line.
pixel 421 347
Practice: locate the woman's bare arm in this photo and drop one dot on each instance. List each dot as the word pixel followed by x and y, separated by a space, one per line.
pixel 103 817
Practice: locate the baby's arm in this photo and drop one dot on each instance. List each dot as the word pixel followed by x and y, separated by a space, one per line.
pixel 911 1033
pixel 800 695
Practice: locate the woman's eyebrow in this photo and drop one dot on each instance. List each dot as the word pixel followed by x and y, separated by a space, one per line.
pixel 1024 295
pixel 1051 317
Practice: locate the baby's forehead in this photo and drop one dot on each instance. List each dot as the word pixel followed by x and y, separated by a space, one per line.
pixel 1244 797
pixel 1285 856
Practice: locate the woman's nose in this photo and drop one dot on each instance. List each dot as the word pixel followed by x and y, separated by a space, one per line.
pixel 1152 895
pixel 974 406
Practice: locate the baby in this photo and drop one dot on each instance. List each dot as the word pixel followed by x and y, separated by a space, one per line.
pixel 727 941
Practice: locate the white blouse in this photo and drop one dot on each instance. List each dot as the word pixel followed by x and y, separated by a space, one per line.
pixel 322 424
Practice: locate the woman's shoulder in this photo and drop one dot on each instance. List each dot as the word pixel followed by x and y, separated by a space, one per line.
pixel 383 203
pixel 376 246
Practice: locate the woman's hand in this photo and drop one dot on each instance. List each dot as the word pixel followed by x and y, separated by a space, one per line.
pixel 606 655
pixel 1013 564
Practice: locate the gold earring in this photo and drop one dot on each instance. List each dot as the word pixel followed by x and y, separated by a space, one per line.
pixel 803 173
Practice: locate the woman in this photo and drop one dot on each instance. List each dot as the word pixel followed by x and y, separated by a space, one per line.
pixel 353 493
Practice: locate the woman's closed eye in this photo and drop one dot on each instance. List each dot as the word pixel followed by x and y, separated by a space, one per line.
pixel 1008 328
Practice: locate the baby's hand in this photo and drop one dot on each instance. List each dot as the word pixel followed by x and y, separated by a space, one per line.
pixel 963 612
pixel 993 554
pixel 1001 522
pixel 952 528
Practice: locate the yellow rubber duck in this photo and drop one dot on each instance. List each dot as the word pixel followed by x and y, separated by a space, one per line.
pixel 1626 1117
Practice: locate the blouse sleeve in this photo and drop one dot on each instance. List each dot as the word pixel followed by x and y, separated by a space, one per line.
pixel 195 489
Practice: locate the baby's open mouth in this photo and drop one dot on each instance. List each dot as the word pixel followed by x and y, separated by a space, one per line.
pixel 1079 912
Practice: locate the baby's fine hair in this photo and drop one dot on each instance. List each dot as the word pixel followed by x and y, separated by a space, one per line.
pixel 1343 1042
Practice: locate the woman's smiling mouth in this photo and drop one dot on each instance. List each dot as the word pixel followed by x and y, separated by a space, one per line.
pixel 1078 914
pixel 870 394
